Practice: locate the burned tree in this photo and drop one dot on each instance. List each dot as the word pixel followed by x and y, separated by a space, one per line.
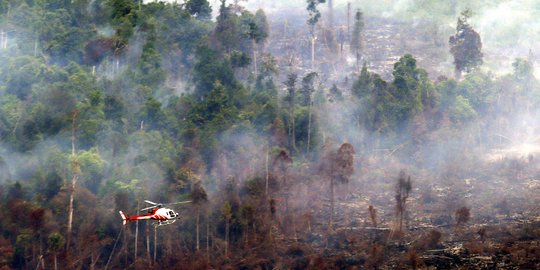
pixel 463 215
pixel 345 163
pixel 226 212
pixel 465 45
pixel 373 215
pixel 403 188
pixel 338 167
pixel 280 167
pixel 199 198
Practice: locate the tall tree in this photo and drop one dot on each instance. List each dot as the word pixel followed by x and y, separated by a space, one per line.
pixel 260 35
pixel 280 172
pixel 226 212
pixel 314 16
pixel 403 188
pixel 308 87
pixel 75 171
pixel 254 29
pixel 55 241
pixel 199 198
pixel 338 166
pixel 291 95
pixel 331 14
pixel 356 39
pixel 226 31
pixel 465 45
pixel 410 85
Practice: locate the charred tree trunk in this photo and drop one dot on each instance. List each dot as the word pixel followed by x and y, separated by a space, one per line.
pixel 309 125
pixel 148 257
pixel 155 244
pixel 348 20
pixel 331 201
pixel 227 238
pixel 207 240
pixel 136 237
pixel 55 261
pixel 266 167
pixel 197 229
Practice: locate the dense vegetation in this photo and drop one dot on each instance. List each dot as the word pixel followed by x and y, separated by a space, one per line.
pixel 106 103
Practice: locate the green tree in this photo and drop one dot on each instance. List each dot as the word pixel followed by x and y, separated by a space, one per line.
pixel 291 102
pixel 226 32
pixel 199 8
pixel 308 88
pixel 255 29
pixel 209 69
pixel 56 242
pixel 314 16
pixel 407 91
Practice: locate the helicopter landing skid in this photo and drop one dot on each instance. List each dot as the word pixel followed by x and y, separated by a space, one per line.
pixel 165 222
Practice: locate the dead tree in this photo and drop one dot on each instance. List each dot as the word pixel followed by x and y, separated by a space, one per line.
pixel 463 215
pixel 226 212
pixel 403 188
pixel 345 163
pixel 373 215
pixel 199 198
pixel 338 167
pixel 280 167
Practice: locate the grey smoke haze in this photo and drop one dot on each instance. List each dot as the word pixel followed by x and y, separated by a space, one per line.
pixel 509 29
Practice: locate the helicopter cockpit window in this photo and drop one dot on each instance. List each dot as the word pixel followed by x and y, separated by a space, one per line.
pixel 171 213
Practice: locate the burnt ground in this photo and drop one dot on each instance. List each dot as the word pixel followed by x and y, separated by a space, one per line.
pixel 502 232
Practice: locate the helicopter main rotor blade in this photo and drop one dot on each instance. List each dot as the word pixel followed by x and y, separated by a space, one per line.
pixel 148 208
pixel 184 202
pixel 150 202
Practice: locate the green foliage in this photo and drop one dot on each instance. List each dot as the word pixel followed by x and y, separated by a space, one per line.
pixel 462 110
pixel 335 94
pixel 314 13
pixel 409 85
pixel 209 69
pixel 159 100
pixel 55 241
pixel 199 8
pixel 226 32
pixel 239 59
pixel 523 70
pixel 308 88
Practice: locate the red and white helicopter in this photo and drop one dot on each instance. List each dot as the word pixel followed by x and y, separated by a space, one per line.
pixel 163 216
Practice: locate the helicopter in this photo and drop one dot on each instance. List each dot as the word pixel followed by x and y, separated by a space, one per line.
pixel 163 216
